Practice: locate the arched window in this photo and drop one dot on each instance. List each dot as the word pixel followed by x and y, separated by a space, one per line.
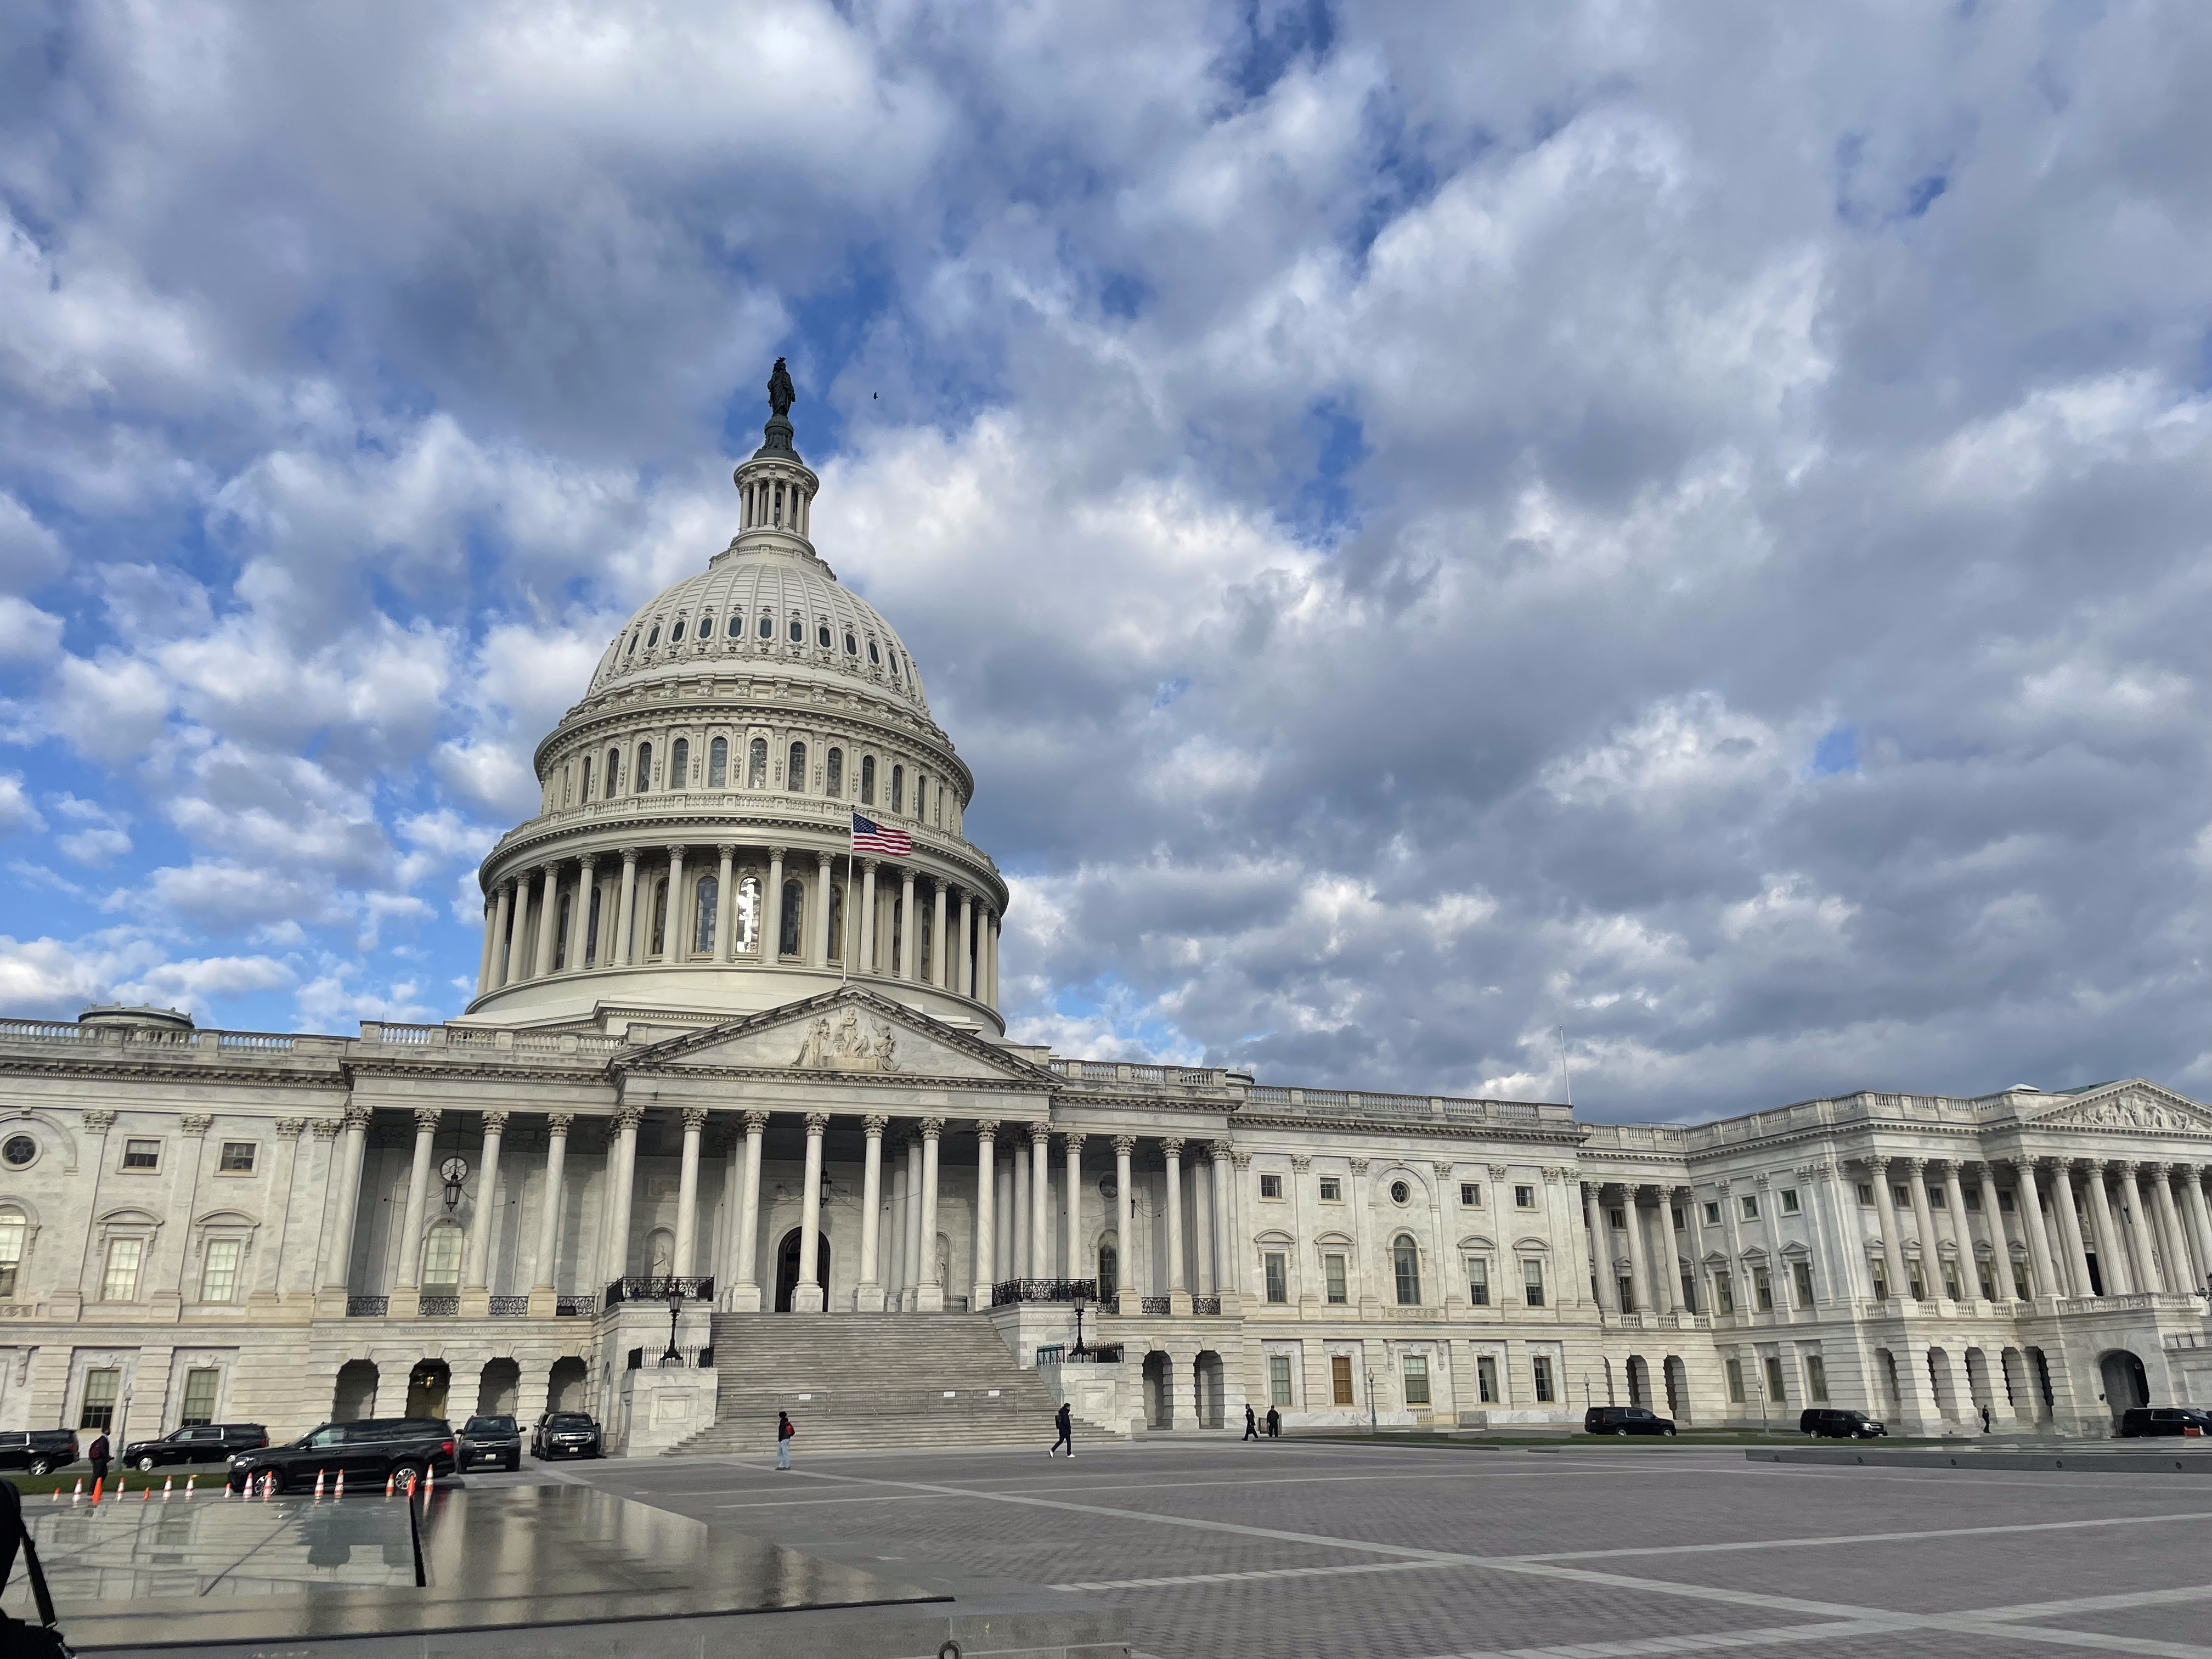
pixel 660 1252
pixel 441 1259
pixel 586 794
pixel 874 660
pixel 898 789
pixel 766 626
pixel 779 504
pixel 835 773
pixel 675 634
pixel 867 779
pixel 795 775
pixel 592 928
pixel 641 778
pixel 1405 1260
pixel 679 764
pixel 1109 1268
pixel 13 1230
pixel 836 922
pixel 851 645
pixel 794 901
pixel 894 665
pixel 702 928
pixel 756 765
pixel 657 935
pixel 718 763
pixel 822 635
pixel 748 921
pixel 561 936
pixel 707 626
pixel 654 638
pixel 632 652
pixel 613 780
pixel 798 631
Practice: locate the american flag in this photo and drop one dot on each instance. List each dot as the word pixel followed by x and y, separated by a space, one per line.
pixel 869 837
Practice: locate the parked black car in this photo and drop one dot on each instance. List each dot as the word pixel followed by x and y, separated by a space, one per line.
pixel 369 1450
pixel 1836 1425
pixel 39 1450
pixel 1624 1419
pixel 210 1443
pixel 491 1442
pixel 565 1434
pixel 2138 1422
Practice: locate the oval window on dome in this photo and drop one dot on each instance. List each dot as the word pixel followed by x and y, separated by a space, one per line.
pixel 767 626
pixel 894 665
pixel 654 638
pixel 675 634
pixel 874 660
pixel 798 631
pixel 822 635
pixel 852 645
pixel 632 652
pixel 707 626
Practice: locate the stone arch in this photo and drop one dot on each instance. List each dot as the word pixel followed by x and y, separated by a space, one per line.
pixel 566 1383
pixel 354 1395
pixel 1639 1380
pixel 1159 1389
pixel 429 1385
pixel 2123 1380
pixel 60 1131
pixel 1676 1374
pixel 1979 1391
pixel 499 1387
pixel 1212 1379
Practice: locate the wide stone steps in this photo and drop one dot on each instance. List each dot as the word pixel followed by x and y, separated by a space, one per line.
pixel 864 1381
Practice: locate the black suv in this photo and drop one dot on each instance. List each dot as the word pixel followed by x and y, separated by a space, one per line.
pixel 1832 1424
pixel 565 1434
pixel 1624 1419
pixel 39 1450
pixel 491 1442
pixel 210 1443
pixel 368 1451
pixel 2138 1422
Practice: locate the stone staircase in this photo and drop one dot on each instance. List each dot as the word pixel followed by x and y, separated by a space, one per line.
pixel 871 1382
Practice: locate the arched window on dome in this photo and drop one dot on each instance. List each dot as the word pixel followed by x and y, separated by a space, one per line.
pixel 822 635
pixel 898 789
pixel 867 779
pixel 799 630
pixel 702 921
pixel 707 626
pixel 654 638
pixel 718 763
pixel 748 915
pixel 779 506
pixel 679 764
pixel 641 778
pixel 586 794
pixel 851 645
pixel 835 775
pixel 766 626
pixel 613 783
pixel 675 634
pixel 895 934
pixel 592 928
pixel 874 660
pixel 836 922
pixel 1406 1263
pixel 794 907
pixel 657 935
pixel 632 652
pixel 894 665
pixel 794 773
pixel 756 765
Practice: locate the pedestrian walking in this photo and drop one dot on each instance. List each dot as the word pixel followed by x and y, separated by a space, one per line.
pixel 1251 1424
pixel 1985 1420
pixel 1274 1423
pixel 783 1433
pixel 1066 1419
pixel 99 1452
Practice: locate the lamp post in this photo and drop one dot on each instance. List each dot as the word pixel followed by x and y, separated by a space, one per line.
pixel 1079 1323
pixel 675 1307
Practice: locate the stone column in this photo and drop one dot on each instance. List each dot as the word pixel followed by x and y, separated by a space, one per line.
pixel 337 1270
pixel 967 959
pixel 725 901
pixel 866 964
pixel 1993 1222
pixel 474 1269
pixel 1666 1274
pixel 543 1277
pixel 410 1228
pixel 2069 1228
pixel 806 1295
pixel 1073 1145
pixel 905 1191
pixel 868 1296
pixel 564 958
pixel 1129 1295
pixel 687 1195
pixel 1222 1187
pixel 1040 1205
pixel 1692 1248
pixel 1002 1183
pixel 549 913
pixel 743 1293
pixel 2181 1275
pixel 2112 1254
pixel 1924 1220
pixel 772 910
pixel 493 972
pixel 2200 1221
pixel 904 966
pixel 1639 1269
pixel 987 1220
pixel 622 1170
pixel 940 959
pixel 1892 1241
pixel 911 1298
pixel 1178 1288
pixel 932 1296
pixel 502 956
pixel 818 935
pixel 2135 1236
pixel 626 920
pixel 2029 1204
pixel 674 944
pixel 994 998
pixel 1962 1237
pixel 1601 1244
pixel 1022 1258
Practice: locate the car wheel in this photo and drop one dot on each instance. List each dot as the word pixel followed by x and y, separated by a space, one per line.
pixel 402 1473
pixel 40 1465
pixel 1669 1431
pixel 146 1464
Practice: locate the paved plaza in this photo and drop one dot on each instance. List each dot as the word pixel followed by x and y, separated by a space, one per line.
pixel 1218 1548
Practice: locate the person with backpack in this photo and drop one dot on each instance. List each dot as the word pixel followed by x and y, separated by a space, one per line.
pixel 784 1431
pixel 98 1453
pixel 1066 1419
pixel 18 1639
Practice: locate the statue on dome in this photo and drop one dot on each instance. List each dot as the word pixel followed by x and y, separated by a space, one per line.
pixel 781 395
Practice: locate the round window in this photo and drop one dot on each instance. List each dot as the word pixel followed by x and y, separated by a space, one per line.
pixel 1400 1193
pixel 19 1151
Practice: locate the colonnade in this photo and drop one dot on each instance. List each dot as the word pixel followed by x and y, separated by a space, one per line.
pixel 568 916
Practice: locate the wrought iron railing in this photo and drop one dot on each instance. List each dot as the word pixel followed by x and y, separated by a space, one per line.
pixel 1154 1305
pixel 441 1307
pixel 1206 1304
pixel 571 1307
pixel 510 1307
pixel 367 1307
pixel 1058 1353
pixel 1007 1292
pixel 659 1290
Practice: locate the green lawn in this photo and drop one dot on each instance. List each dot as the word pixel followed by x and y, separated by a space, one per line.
pixel 210 1478
pixel 1687 1440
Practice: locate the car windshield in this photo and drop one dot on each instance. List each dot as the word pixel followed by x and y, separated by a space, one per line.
pixel 569 1420
pixel 490 1426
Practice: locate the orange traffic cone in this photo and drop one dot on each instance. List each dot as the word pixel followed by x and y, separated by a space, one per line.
pixel 319 1483
pixel 77 1497
pixel 96 1486
pixel 55 1495
pixel 339 1491
pixel 146 1492
pixel 188 1484
pixel 388 1479
pixel 168 1485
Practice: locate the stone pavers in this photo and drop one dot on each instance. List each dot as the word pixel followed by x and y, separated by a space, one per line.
pixel 1217 1548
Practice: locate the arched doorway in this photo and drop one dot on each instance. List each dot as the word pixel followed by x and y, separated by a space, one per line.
pixel 2125 1382
pixel 498 1389
pixel 1639 1380
pixel 787 1269
pixel 1677 1377
pixel 564 1385
pixel 356 1391
pixel 428 1385
pixel 1213 1393
pixel 1159 1390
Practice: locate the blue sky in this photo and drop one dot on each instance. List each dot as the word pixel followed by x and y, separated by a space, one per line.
pixel 1430 525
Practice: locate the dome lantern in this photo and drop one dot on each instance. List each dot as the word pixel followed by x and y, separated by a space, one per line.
pixel 775 487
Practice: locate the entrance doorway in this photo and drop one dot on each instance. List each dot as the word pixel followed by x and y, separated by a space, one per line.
pixel 787 1269
pixel 2125 1383
pixel 356 1391
pixel 1160 1391
pixel 427 1384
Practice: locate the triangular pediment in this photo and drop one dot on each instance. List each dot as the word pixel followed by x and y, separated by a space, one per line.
pixel 845 1033
pixel 2130 1105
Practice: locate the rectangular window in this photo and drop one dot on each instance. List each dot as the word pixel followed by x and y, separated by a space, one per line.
pixel 1801 1273
pixel 1277 1271
pixel 1880 1278
pixel 1486 1379
pixel 1279 1379
pixel 200 1399
pixel 1775 1391
pixel 1973 1197
pixel 1532 1282
pixel 1332 1268
pixel 237 1158
pixel 1938 1199
pixel 219 1278
pixel 1920 1285
pixel 1736 1382
pixel 120 1282
pixel 2020 1280
pixel 1540 1367
pixel 1477 1281
pixel 1764 1287
pixel 1690 1292
pixel 1789 1201
pixel 1615 1218
pixel 1271 1185
pixel 1712 1215
pixel 12 1229
pixel 1986 1272
pixel 1470 1194
pixel 1417 1380
pixel 98 1411
pixel 2005 1202
pixel 1331 1190
pixel 1524 1198
pixel 1725 1293
pixel 1340 1379
pixel 1674 1215
pixel 1951 1281
pixel 1816 1379
pixel 1866 1194
pixel 142 1154
pixel 1626 1286
pixel 1751 1207
pixel 1902 1196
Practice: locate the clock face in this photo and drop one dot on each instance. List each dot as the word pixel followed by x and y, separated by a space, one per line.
pixel 454 1170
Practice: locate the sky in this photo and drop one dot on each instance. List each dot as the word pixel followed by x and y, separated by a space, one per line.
pixel 1457 540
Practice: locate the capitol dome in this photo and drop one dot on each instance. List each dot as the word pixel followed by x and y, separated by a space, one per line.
pixel 693 857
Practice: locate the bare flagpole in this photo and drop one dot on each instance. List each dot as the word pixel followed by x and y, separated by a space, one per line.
pixel 1566 1079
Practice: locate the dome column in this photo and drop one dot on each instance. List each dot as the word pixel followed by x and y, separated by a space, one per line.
pixel 623 925
pixel 940 961
pixel 866 964
pixel 967 970
pixel 549 911
pixel 490 941
pixel 906 922
pixel 580 912
pixel 817 934
pixel 772 923
pixel 671 938
pixel 495 963
pixel 723 898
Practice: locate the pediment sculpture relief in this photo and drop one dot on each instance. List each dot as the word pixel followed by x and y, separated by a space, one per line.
pixel 2130 1112
pixel 848 1046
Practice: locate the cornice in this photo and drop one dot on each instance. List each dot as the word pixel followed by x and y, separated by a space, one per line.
pixel 326 1073
pixel 1427 1131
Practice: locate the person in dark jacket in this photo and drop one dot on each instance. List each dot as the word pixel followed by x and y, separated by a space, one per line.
pixel 1065 1420
pixel 783 1433
pixel 99 1452
pixel 1274 1423
pixel 1251 1424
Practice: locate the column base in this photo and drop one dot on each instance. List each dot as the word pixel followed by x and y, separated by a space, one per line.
pixel 404 1305
pixel 330 1305
pixel 476 1305
pixel 745 1299
pixel 929 1298
pixel 1128 1303
pixel 868 1299
pixel 979 1296
pixel 1179 1304
pixel 544 1302
pixel 805 1298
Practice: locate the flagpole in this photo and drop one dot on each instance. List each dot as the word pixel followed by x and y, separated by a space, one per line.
pixel 845 956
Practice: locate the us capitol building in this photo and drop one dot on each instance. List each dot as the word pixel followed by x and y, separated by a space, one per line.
pixel 720 1093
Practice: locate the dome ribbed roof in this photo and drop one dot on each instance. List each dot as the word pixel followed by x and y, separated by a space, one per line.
pixel 719 614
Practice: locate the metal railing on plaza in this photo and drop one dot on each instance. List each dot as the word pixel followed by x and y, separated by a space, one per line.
pixel 1007 1292
pixel 1058 1353
pixel 367 1307
pixel 510 1307
pixel 659 1290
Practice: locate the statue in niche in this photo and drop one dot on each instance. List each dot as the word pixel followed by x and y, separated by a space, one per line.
pixel 781 394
